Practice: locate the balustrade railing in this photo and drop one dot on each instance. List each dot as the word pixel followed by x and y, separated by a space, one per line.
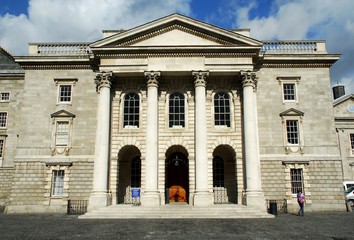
pixel 49 49
pixel 293 47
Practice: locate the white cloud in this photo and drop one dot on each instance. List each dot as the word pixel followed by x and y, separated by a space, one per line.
pixel 328 20
pixel 79 20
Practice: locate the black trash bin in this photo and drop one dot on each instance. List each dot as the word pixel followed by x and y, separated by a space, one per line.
pixel 273 207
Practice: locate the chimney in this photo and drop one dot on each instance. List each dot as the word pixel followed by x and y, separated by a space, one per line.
pixel 338 91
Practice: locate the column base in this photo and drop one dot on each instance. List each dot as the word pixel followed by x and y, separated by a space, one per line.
pixel 255 199
pixel 151 199
pixel 203 198
pixel 99 199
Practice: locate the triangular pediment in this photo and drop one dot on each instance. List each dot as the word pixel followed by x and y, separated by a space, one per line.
pixel 176 30
pixel 292 112
pixel 62 113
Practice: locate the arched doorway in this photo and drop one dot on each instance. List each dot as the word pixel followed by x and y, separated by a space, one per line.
pixel 177 180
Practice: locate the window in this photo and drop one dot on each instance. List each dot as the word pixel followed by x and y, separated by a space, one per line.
pixel 2 148
pixel 289 88
pixel 131 110
pixel 352 143
pixel 65 89
pixel 292 131
pixel 176 110
pixel 135 173
pixel 222 109
pixel 62 134
pixel 296 180
pixel 58 182
pixel 218 172
pixel 4 97
pixel 64 94
pixel 3 119
pixel 289 92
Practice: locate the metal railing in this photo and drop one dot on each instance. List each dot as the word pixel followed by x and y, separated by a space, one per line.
pixel 77 207
pixel 220 195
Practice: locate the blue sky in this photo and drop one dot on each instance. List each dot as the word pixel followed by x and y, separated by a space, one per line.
pixel 24 21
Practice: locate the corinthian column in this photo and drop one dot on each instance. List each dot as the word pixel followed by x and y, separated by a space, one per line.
pixel 202 196
pixel 254 195
pixel 151 196
pixel 99 196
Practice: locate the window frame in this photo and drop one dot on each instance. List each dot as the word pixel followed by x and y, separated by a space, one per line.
pixel 6 100
pixel 138 108
pixel 224 113
pixel 289 80
pixel 6 114
pixel 57 187
pixel 293 115
pixel 181 122
pixel 351 143
pixel 60 117
pixel 2 149
pixel 296 183
pixel 61 82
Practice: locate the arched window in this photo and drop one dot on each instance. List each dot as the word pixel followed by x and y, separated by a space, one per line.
pixel 218 172
pixel 131 110
pixel 222 114
pixel 176 110
pixel 135 173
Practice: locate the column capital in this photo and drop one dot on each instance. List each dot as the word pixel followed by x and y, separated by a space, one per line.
pixel 103 79
pixel 200 77
pixel 249 78
pixel 152 78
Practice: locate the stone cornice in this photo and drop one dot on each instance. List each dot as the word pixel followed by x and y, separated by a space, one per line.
pixel 55 63
pixel 173 27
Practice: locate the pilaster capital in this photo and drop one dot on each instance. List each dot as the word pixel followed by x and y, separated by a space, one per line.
pixel 103 79
pixel 249 78
pixel 200 78
pixel 152 78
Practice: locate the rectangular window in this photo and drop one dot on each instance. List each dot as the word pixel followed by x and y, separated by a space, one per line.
pixel 5 97
pixel 296 180
pixel 62 134
pixel 1 148
pixel 289 92
pixel 65 93
pixel 3 119
pixel 58 182
pixel 292 131
pixel 352 143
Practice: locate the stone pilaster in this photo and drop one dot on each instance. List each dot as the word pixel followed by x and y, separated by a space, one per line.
pixel 99 196
pixel 254 195
pixel 202 196
pixel 151 195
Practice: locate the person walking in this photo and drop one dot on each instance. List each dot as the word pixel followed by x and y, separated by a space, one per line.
pixel 301 202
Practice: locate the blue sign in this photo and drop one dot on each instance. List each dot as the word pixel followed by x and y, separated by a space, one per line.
pixel 136 192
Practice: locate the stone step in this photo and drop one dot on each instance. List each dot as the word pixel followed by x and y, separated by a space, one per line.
pixel 176 211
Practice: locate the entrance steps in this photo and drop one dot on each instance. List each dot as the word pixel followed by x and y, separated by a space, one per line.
pixel 173 211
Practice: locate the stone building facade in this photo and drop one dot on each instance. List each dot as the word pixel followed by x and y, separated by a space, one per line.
pixel 178 109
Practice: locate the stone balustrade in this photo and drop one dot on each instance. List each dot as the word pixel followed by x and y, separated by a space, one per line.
pixel 294 47
pixel 50 49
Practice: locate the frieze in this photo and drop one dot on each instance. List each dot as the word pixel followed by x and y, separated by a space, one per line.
pixel 184 54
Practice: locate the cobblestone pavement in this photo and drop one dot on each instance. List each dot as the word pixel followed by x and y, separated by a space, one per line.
pixel 336 225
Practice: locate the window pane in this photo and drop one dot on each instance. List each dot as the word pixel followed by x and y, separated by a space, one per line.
pixel 222 115
pixel 65 93
pixel 292 131
pixel 131 110
pixel 3 119
pixel 296 180
pixel 58 182
pixel 136 172
pixel 218 172
pixel 289 91
pixel 1 147
pixel 176 110
pixel 5 97
pixel 62 134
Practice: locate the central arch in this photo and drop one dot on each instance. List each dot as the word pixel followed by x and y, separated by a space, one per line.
pixel 177 178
